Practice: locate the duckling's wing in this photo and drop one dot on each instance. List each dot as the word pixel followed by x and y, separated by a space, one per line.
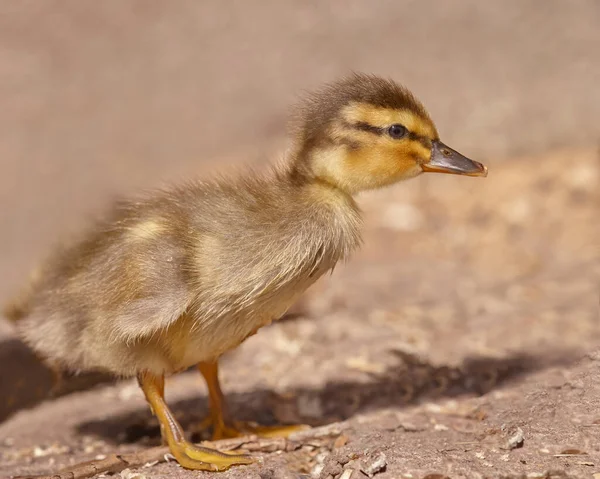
pixel 139 279
pixel 123 281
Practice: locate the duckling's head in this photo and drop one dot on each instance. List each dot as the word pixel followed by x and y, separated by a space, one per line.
pixel 365 132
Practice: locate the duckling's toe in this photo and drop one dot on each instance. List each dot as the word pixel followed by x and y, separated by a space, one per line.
pixel 225 431
pixel 201 458
pixel 272 431
pixel 221 430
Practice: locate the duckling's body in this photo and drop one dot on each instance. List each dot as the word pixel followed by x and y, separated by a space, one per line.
pixel 180 277
pixel 186 274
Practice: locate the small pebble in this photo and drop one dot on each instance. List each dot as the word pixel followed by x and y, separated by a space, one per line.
pixel 128 474
pixel 516 440
pixel 375 465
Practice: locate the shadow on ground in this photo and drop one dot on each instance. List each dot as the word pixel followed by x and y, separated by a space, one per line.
pixel 25 381
pixel 407 382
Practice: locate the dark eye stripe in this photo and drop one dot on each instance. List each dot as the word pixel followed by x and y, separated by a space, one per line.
pixel 426 142
pixel 363 126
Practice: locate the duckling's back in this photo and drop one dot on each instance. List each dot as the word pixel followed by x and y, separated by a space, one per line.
pixel 184 275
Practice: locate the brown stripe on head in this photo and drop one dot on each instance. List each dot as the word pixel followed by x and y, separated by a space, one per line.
pixel 362 132
pixel 378 117
pixel 366 98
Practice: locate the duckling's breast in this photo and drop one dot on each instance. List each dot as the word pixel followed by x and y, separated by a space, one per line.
pixel 200 337
pixel 252 261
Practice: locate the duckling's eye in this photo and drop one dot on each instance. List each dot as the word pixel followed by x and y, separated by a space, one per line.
pixel 397 131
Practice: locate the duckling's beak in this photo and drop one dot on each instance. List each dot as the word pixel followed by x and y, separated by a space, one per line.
pixel 446 160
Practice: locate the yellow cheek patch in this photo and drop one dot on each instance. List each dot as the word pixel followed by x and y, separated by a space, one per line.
pixel 384 117
pixel 418 149
pixel 384 166
pixel 404 155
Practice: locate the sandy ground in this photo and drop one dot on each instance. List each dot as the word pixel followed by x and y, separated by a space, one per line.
pixel 470 316
pixel 471 312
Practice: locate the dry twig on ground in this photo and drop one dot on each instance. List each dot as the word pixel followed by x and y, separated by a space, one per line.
pixel 115 463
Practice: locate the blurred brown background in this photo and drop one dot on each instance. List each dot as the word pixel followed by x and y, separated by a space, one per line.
pixel 101 98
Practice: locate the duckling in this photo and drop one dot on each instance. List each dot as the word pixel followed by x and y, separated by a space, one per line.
pixel 178 277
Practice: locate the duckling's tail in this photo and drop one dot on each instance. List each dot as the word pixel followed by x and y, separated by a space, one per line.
pixel 26 379
pixel 18 361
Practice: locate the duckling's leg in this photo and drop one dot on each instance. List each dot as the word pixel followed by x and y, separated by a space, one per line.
pixel 219 418
pixel 187 454
pixel 218 414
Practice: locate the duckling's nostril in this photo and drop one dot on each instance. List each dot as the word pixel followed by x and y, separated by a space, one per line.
pixel 446 152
